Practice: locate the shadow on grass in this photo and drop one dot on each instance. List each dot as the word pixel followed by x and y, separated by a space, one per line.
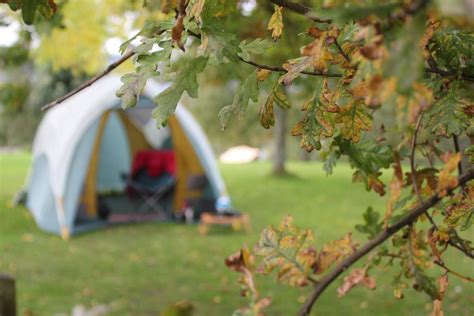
pixel 285 176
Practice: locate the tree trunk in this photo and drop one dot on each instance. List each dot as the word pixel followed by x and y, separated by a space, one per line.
pixel 7 295
pixel 279 136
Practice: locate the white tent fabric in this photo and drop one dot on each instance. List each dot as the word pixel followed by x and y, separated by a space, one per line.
pixel 64 126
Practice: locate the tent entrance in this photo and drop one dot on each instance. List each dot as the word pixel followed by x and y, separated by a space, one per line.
pixel 106 196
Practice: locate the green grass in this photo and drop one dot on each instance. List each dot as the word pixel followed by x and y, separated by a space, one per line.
pixel 140 269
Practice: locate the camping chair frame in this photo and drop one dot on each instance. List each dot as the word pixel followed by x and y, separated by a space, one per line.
pixel 151 198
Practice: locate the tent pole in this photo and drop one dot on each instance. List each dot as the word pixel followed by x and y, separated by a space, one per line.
pixel 65 234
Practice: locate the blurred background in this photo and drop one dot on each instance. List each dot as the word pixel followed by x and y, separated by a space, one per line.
pixel 153 268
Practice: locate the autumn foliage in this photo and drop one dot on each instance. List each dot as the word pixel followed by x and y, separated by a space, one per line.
pixel 359 62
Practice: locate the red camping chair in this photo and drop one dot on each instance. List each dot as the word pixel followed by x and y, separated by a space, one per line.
pixel 152 178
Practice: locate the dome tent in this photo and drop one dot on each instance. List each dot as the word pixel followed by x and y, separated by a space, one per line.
pixel 83 146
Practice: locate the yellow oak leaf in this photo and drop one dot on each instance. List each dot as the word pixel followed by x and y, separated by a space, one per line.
pixel 446 181
pixel 333 252
pixel 276 23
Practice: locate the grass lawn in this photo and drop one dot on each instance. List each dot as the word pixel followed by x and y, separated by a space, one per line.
pixel 140 269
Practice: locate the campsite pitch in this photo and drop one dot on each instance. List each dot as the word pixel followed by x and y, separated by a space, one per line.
pixel 142 269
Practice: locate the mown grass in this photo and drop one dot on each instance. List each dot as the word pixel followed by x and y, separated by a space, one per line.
pixel 140 269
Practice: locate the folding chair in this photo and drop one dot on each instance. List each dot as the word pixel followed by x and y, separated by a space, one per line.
pixel 152 180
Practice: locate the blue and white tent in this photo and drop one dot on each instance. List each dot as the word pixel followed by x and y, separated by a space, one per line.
pixel 83 147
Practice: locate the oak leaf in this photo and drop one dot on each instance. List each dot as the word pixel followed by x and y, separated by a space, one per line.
pixel 396 185
pixel 287 249
pixel 315 124
pixel 333 252
pixel 248 91
pixel 446 181
pixel 185 80
pixel 357 276
pixel 275 96
pixel 353 119
pixel 275 25
pixel 242 261
pixel 437 303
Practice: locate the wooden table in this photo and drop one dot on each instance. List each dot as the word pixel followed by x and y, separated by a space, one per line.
pixel 237 222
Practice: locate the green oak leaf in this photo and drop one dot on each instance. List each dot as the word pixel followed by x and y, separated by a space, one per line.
pixel 149 31
pixel 372 225
pixel 154 58
pixel 248 91
pixel 46 8
pixel 133 85
pixel 257 47
pixel 446 117
pixel 185 80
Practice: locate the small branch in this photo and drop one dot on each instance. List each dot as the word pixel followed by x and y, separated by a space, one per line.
pixel 413 169
pixel 444 73
pixel 295 7
pixel 89 82
pixel 276 68
pixel 412 159
pixel 281 69
pixel 299 9
pixel 460 247
pixel 407 219
pixel 442 265
pixel 342 52
pixel 457 149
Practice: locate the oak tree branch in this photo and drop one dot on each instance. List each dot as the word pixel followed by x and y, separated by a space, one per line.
pixel 406 220
pixel 89 82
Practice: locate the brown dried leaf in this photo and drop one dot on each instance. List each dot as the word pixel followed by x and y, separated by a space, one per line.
pixel 315 32
pixel 334 252
pixel 437 304
pixel 357 276
pixel 373 51
pixel 376 184
pixel 242 262
pixel 433 239
pixel 177 31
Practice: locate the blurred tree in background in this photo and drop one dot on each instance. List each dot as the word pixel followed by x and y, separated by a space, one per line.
pixel 82 38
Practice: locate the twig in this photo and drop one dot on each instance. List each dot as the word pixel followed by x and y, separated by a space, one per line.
pixel 458 245
pixel 444 73
pixel 295 7
pixel 299 9
pixel 407 219
pixel 413 169
pixel 281 69
pixel 457 149
pixel 89 82
pixel 412 159
pixel 342 52
pixel 442 265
